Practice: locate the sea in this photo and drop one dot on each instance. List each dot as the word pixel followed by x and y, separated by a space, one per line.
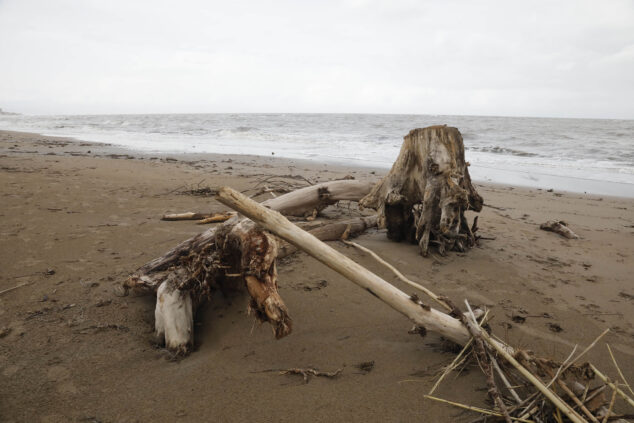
pixel 594 156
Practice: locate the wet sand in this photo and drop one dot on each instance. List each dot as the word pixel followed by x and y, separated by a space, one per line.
pixel 79 217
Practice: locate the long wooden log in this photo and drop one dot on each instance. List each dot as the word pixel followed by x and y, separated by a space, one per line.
pixel 304 201
pixel 421 314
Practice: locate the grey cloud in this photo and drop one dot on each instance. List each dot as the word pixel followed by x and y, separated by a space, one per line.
pixel 539 58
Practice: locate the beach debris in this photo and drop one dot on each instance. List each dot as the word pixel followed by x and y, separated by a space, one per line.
pixel 309 372
pixel 4 291
pixel 185 216
pixel 559 227
pixel 515 377
pixel 237 251
pixel 203 218
pixel 424 197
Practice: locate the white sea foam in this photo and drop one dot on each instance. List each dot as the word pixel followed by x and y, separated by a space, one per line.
pixel 575 154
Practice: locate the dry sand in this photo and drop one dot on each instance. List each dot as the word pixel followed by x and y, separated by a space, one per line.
pixel 71 350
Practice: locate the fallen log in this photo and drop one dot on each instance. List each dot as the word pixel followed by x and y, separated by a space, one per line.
pixel 426 193
pixel 304 201
pixel 421 314
pixel 232 253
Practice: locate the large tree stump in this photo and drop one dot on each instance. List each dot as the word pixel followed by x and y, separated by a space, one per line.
pixel 426 193
pixel 234 253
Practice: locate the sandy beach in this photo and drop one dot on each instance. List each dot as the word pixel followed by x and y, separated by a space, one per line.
pixel 79 217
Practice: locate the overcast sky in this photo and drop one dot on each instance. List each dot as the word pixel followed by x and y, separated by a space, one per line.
pixel 511 58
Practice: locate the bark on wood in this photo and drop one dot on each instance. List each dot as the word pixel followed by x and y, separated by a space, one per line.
pixel 559 227
pixel 230 254
pixel 426 193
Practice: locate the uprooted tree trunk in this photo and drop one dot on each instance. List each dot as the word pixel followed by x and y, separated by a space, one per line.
pixel 224 256
pixel 426 193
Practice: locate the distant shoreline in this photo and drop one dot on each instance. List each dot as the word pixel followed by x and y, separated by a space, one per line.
pixel 480 172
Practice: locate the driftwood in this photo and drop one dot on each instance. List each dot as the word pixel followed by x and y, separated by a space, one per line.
pixel 420 313
pixel 186 216
pixel 559 227
pixel 458 327
pixel 233 253
pixel 426 193
pixel 203 218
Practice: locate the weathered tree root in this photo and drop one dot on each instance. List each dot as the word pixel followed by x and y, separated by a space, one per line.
pixel 426 193
pixel 235 252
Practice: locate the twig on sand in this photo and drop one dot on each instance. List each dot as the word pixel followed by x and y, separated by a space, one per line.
pixel 481 353
pixel 399 275
pixel 554 398
pixel 605 379
pixel 619 370
pixel 476 409
pixel 572 396
pixel 607 414
pixel 452 366
pixel 308 372
pixel 15 287
pixel 456 362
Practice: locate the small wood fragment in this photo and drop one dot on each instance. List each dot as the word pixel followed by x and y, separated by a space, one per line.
pixel 185 216
pixel 216 218
pixel 605 379
pixel 559 227
pixel 13 288
pixel 308 372
pixel 618 369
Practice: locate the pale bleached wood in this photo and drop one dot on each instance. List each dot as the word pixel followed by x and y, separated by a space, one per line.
pixel 304 201
pixel 608 382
